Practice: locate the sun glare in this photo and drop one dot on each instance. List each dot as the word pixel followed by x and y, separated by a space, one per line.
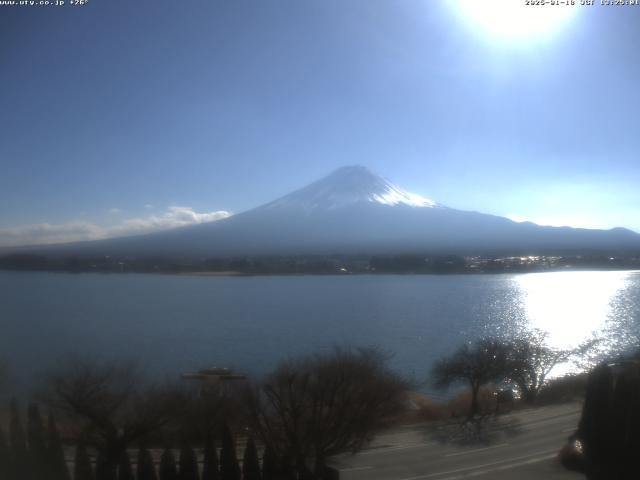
pixel 571 306
pixel 513 19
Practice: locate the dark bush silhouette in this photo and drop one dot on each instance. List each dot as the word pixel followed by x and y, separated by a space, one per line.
pixel 287 472
pixel 210 467
pixel 563 389
pixel 609 429
pixel 58 469
pixel 125 471
pixel 188 464
pixel 168 470
pixel 229 468
pixel 105 470
pixel 270 469
pixel 19 464
pixel 145 469
pixel 5 457
pixel 250 462
pixel 82 465
pixel 37 443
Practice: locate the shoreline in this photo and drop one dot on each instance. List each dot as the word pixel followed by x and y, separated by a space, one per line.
pixel 235 273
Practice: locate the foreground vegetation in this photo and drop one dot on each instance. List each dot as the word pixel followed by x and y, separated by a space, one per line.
pixel 303 413
pixel 118 426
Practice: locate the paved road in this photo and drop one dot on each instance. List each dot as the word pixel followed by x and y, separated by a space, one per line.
pixel 521 446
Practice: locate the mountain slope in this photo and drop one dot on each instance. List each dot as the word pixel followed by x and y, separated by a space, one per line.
pixel 354 211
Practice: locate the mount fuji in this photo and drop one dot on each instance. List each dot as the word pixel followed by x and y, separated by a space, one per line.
pixel 354 211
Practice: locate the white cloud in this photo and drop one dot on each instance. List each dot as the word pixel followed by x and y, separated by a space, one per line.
pixel 113 211
pixel 42 233
pixel 45 233
pixel 173 217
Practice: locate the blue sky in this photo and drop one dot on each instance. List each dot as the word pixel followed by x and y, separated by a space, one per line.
pixel 122 115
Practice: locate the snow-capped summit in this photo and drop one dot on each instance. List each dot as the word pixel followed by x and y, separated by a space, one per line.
pixel 348 186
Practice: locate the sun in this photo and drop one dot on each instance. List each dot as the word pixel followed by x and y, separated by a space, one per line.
pixel 516 19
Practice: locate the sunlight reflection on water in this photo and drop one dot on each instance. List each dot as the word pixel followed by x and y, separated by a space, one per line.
pixel 571 306
pixel 575 306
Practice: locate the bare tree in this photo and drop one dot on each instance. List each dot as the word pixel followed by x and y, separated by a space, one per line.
pixel 530 360
pixel 591 352
pixel 111 406
pixel 474 364
pixel 319 406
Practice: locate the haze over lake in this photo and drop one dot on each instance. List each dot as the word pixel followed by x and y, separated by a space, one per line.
pixel 174 324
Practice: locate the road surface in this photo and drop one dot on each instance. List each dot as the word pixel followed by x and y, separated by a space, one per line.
pixel 521 445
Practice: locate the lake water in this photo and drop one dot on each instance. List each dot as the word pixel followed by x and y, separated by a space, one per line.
pixel 174 324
